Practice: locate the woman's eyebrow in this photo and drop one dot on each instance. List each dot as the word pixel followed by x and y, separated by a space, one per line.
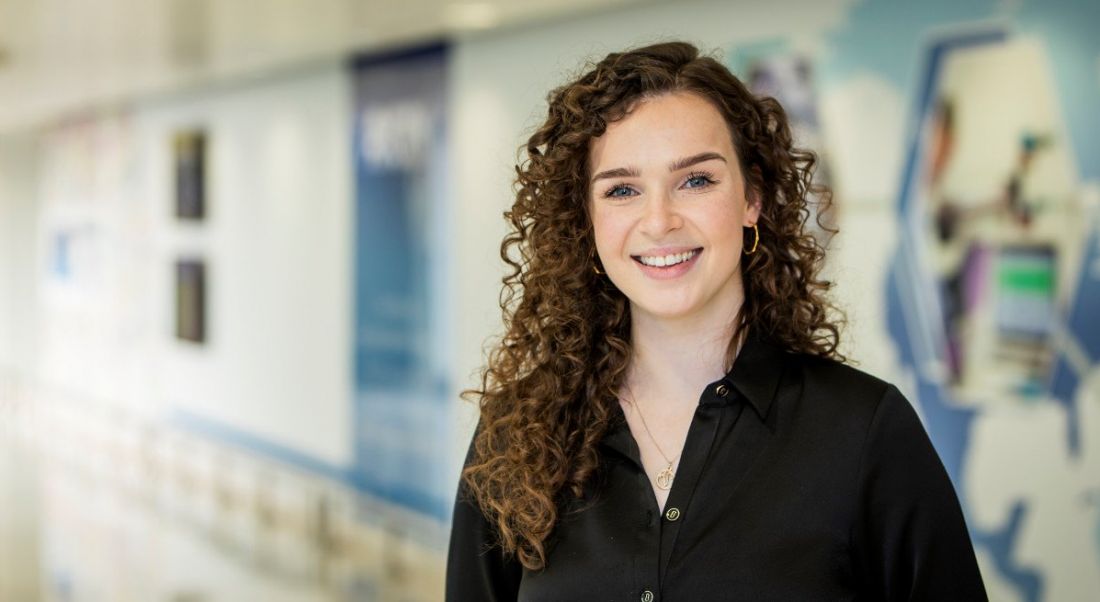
pixel 618 172
pixel 692 160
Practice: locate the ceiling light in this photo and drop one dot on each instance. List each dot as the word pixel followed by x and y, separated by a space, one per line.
pixel 471 15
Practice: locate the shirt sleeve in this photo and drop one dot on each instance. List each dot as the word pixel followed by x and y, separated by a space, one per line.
pixel 910 539
pixel 477 569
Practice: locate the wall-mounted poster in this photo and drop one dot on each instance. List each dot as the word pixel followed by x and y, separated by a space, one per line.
pixel 401 374
pixel 992 210
pixel 773 68
pixel 191 300
pixel 189 158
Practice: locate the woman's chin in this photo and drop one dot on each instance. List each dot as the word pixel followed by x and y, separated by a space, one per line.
pixel 663 311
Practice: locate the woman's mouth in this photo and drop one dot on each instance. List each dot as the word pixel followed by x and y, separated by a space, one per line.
pixel 663 261
pixel 663 267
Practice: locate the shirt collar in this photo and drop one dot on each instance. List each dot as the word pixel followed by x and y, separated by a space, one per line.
pixel 756 371
pixel 755 376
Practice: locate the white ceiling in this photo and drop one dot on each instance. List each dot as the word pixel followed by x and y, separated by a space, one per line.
pixel 58 57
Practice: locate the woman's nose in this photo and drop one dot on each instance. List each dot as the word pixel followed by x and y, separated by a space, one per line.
pixel 660 216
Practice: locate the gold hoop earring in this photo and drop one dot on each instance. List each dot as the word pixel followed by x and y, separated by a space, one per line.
pixel 595 263
pixel 755 240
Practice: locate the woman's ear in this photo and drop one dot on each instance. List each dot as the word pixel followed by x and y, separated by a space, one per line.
pixel 753 203
pixel 752 211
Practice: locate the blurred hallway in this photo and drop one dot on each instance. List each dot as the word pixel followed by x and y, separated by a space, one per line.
pixel 250 258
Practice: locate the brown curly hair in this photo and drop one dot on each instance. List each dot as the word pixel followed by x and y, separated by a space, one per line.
pixel 549 392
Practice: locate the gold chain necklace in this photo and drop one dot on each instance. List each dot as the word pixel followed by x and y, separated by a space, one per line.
pixel 664 478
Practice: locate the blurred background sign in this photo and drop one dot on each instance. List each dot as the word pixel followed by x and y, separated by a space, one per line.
pixel 402 411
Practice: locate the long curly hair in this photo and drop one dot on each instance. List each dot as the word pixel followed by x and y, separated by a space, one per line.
pixel 549 392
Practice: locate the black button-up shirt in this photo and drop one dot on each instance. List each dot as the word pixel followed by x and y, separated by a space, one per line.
pixel 800 479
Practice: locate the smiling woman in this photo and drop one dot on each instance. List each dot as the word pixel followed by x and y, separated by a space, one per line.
pixel 667 415
pixel 668 228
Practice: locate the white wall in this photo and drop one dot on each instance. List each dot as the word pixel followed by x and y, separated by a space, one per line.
pixel 275 240
pixel 19 485
pixel 18 211
pixel 20 543
pixel 277 246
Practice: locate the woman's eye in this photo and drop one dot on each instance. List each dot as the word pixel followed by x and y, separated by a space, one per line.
pixel 619 190
pixel 698 181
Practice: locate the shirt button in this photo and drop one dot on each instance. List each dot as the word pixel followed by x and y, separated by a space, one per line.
pixel 672 514
pixel 722 390
pixel 647 596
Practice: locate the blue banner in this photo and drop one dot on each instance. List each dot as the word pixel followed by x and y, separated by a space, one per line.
pixel 401 383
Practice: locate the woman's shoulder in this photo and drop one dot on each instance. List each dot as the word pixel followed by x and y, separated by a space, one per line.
pixel 831 371
pixel 848 406
pixel 838 384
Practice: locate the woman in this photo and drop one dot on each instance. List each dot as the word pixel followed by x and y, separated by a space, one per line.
pixel 667 416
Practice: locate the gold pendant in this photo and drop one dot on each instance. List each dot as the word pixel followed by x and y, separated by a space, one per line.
pixel 664 478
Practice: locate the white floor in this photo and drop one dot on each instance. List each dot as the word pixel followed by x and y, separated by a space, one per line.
pixel 84 519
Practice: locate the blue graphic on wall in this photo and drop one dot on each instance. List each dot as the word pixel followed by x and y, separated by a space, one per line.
pixel 401 410
pixel 973 293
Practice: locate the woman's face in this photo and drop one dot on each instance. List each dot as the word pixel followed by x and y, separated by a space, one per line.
pixel 668 203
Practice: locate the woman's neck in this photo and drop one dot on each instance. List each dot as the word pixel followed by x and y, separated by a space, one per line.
pixel 676 359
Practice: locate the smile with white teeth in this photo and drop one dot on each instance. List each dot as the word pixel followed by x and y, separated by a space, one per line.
pixel 664 261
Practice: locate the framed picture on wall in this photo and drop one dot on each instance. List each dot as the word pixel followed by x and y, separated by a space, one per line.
pixel 189 157
pixel 191 300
